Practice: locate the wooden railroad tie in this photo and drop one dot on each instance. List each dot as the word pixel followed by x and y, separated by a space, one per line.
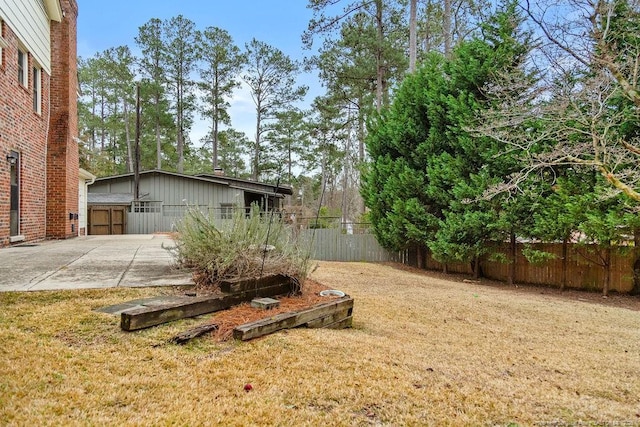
pixel 336 314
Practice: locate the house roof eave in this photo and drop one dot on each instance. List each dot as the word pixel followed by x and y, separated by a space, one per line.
pixel 86 175
pixel 54 10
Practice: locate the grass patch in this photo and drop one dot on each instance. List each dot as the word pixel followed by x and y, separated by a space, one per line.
pixel 423 351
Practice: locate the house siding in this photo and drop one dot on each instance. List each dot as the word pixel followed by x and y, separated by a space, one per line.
pixel 166 196
pixel 173 190
pixel 171 195
pixel 177 191
pixel 30 23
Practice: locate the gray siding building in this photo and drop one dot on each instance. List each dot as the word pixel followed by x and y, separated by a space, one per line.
pixel 164 197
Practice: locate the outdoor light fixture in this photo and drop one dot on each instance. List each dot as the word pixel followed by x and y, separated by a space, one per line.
pixel 12 158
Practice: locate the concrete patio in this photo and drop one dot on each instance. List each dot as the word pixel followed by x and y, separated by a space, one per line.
pixel 91 262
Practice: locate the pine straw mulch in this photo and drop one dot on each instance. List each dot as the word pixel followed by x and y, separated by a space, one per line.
pixel 243 313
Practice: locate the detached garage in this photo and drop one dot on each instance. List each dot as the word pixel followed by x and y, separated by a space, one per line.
pixel 164 198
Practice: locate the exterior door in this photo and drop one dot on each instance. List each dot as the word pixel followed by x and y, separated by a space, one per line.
pixel 107 220
pixel 14 216
pixel 118 221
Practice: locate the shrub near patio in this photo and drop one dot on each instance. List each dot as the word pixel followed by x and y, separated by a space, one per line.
pixel 250 245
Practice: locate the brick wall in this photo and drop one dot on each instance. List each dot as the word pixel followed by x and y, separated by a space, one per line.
pixel 62 147
pixel 24 131
pixel 45 141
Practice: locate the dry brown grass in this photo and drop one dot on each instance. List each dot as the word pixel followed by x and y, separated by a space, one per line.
pixel 423 351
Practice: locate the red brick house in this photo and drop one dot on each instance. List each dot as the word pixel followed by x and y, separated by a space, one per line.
pixel 38 120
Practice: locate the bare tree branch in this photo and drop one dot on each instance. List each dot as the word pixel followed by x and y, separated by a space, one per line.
pixel 574 117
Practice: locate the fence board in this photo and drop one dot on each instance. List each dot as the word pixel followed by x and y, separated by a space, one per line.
pixel 580 273
pixel 335 244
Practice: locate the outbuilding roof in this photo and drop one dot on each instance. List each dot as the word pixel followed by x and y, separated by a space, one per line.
pixel 110 198
pixel 250 186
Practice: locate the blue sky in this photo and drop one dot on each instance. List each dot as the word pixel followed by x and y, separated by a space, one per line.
pixel 279 23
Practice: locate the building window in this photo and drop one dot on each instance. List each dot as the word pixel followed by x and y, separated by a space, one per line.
pixel 37 92
pixel 3 43
pixel 226 210
pixel 147 207
pixel 14 213
pixel 22 68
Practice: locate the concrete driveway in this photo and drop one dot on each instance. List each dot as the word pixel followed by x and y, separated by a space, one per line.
pixel 91 262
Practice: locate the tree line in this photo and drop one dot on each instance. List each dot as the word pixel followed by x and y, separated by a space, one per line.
pixel 186 73
pixel 183 72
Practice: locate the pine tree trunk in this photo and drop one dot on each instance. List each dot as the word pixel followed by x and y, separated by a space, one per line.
pixel 361 157
pixel 214 142
pixel 158 141
pixel 446 28
pixel 103 135
pixel 180 150
pixel 379 63
pixel 345 183
pixel 420 256
pixel 127 135
pixel 289 162
pixel 412 35
pixel 94 103
pixel 256 151
pixel 180 121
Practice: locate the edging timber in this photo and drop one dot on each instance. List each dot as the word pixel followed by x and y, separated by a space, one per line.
pixel 144 317
pixel 324 322
pixel 333 314
pixel 251 284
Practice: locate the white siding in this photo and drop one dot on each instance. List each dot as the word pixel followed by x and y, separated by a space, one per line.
pixel 82 205
pixel 29 20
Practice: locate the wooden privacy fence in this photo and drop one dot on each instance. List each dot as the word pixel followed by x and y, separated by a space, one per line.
pixel 349 243
pixel 581 273
pixel 355 242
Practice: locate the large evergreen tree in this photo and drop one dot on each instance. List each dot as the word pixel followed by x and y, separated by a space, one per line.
pixel 152 69
pixel 428 174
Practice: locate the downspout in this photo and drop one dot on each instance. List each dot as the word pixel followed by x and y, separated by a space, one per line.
pixel 46 150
